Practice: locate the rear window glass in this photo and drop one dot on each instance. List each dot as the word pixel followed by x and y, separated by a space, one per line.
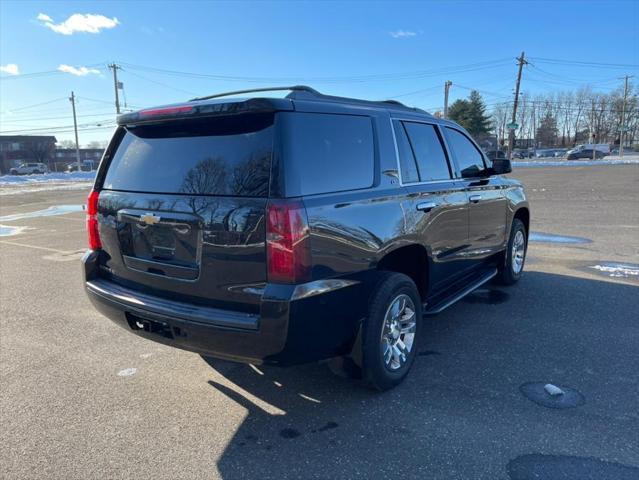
pixel 221 156
pixel 326 153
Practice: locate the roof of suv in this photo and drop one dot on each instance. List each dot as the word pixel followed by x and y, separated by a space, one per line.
pixel 218 104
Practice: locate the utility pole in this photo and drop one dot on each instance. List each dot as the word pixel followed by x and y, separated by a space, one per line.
pixel 534 122
pixel 116 85
pixel 511 134
pixel 75 128
pixel 446 89
pixel 623 115
pixel 592 130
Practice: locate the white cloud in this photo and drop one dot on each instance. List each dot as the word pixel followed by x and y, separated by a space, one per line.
pixel 78 72
pixel 403 34
pixel 78 22
pixel 10 68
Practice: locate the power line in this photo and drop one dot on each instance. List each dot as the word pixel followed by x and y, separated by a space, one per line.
pixel 336 79
pixel 106 123
pixel 45 73
pixel 20 120
pixel 436 87
pixel 35 105
pixel 581 63
pixel 162 84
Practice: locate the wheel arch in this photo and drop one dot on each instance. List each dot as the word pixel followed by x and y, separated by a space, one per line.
pixel 411 260
pixel 523 214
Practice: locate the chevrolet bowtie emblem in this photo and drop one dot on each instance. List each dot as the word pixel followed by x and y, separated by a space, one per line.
pixel 149 219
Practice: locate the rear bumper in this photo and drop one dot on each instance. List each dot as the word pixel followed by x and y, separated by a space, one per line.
pixel 296 323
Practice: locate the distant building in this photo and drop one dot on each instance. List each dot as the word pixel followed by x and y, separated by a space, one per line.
pixel 67 155
pixel 17 149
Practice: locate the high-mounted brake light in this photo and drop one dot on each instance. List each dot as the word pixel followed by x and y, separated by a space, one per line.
pixel 288 248
pixel 154 112
pixel 92 221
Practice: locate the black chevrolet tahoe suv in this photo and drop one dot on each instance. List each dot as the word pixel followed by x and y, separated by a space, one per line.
pixel 297 229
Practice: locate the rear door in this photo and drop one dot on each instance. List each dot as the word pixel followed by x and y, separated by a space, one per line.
pixel 487 201
pixel 182 206
pixel 437 209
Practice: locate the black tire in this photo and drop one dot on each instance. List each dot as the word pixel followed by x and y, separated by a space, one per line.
pixel 374 369
pixel 507 274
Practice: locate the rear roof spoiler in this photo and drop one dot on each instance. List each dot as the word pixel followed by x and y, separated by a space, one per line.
pixel 204 109
pixel 200 106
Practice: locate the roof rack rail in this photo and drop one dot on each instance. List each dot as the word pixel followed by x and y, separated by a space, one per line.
pixel 315 95
pixel 255 90
pixel 394 102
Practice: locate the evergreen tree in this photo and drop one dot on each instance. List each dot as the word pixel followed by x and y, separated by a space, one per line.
pixel 471 114
pixel 547 131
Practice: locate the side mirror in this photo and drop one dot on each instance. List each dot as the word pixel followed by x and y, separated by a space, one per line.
pixel 501 166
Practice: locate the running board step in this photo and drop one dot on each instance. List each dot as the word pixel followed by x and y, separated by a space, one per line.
pixel 469 288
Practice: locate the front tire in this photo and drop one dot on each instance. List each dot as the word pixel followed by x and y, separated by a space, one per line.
pixel 391 331
pixel 515 256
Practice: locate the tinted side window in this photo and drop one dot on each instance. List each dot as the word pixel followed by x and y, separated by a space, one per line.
pixel 326 153
pixel 468 157
pixel 427 147
pixel 406 158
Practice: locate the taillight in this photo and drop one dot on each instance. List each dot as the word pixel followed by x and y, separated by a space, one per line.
pixel 288 248
pixel 154 112
pixel 92 220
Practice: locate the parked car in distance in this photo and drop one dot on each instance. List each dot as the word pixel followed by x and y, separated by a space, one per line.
pixel 545 153
pixel 289 230
pixel 560 152
pixel 601 147
pixel 586 153
pixel 29 169
pixel 86 166
pixel 496 154
pixel 523 153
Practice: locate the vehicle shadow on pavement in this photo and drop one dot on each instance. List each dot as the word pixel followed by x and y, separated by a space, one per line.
pixel 459 414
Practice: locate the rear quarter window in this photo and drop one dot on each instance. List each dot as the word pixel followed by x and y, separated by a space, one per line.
pixel 326 153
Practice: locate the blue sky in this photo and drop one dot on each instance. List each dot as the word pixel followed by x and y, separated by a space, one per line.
pixel 364 49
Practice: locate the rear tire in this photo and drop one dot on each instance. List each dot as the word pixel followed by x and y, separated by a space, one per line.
pixel 391 331
pixel 512 268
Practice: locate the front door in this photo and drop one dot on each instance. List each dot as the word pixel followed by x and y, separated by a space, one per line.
pixel 486 198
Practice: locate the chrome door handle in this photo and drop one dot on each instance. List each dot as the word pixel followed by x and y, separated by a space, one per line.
pixel 474 198
pixel 426 206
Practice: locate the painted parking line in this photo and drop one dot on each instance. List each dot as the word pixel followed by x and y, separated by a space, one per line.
pixel 37 247
pixel 49 234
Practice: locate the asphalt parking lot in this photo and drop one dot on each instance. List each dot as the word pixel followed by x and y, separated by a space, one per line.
pixel 82 398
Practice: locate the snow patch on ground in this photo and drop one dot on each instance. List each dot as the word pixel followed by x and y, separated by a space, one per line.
pixel 47 212
pixel 618 270
pixel 47 178
pixel 18 189
pixel 6 230
pixel 629 160
pixel 127 372
pixel 550 238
